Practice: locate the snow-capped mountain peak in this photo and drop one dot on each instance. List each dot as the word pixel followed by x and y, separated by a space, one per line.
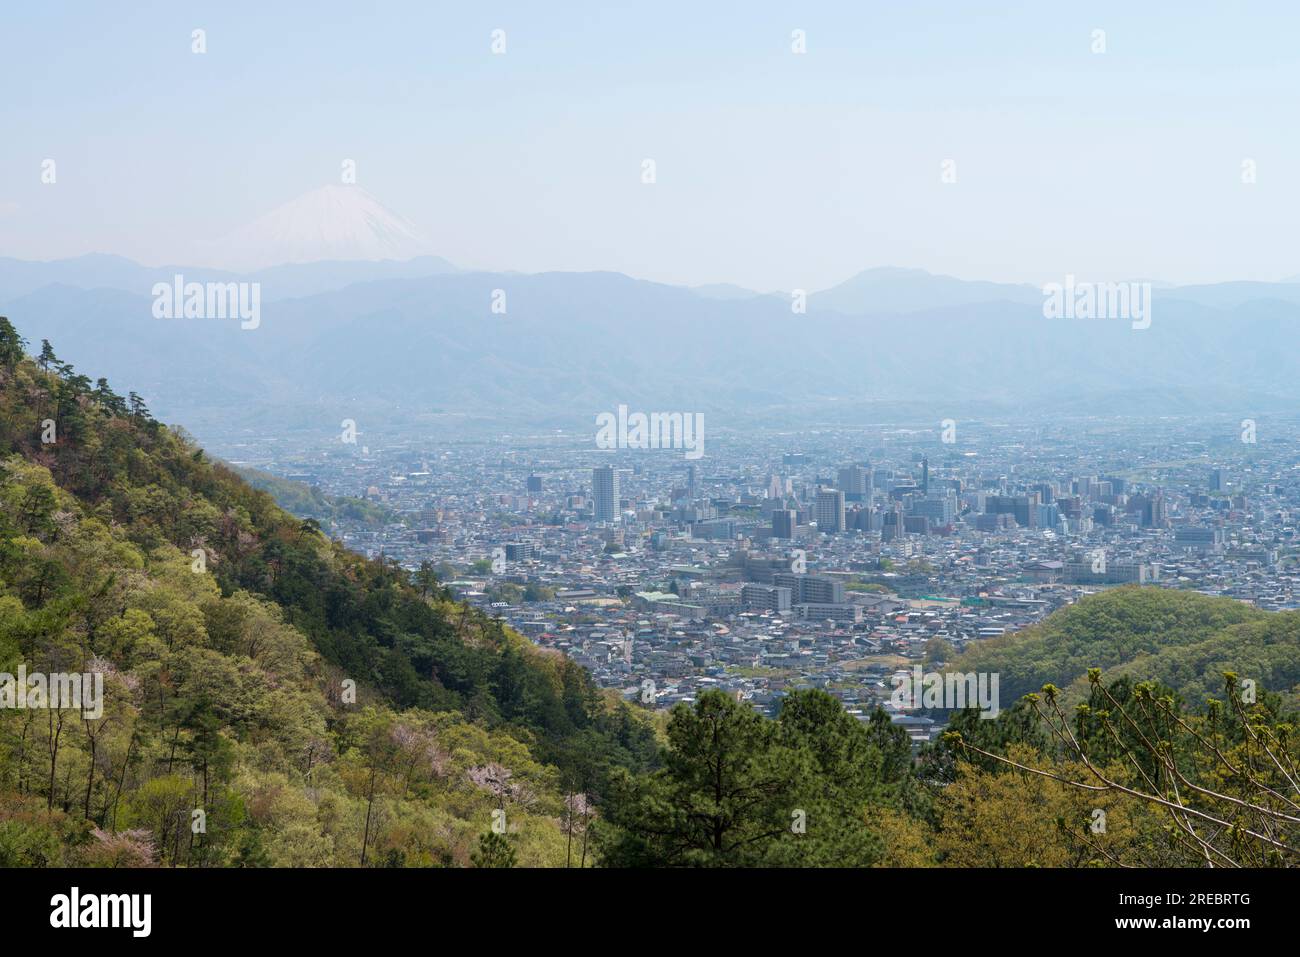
pixel 330 223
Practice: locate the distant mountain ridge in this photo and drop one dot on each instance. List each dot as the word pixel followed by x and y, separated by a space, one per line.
pixel 891 289
pixel 409 342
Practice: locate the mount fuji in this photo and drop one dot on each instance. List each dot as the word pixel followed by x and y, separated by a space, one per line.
pixel 332 223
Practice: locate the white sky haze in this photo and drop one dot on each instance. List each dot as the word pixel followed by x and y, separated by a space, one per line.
pixel 775 170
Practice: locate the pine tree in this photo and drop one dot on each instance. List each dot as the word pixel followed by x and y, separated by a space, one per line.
pixel 138 409
pixel 47 360
pixel 108 399
pixel 12 345
pixel 493 851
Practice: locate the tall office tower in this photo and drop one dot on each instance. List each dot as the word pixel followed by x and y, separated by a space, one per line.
pixel 1118 486
pixel 1218 480
pixel 891 522
pixel 783 522
pixel 775 488
pixel 925 475
pixel 830 510
pixel 1029 511
pixel 1143 509
pixel 692 478
pixel 854 480
pixel 604 490
pixel 1049 516
pixel 534 483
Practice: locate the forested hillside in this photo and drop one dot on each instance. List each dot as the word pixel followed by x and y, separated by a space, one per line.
pixel 1182 639
pixel 232 636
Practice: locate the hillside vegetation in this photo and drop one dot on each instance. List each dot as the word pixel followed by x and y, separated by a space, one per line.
pixel 270 698
pixel 1183 640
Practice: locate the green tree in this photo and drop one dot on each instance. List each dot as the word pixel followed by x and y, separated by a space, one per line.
pixel 727 789
pixel 493 851
pixel 12 345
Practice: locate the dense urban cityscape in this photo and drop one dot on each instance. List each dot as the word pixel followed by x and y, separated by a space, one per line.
pixel 829 558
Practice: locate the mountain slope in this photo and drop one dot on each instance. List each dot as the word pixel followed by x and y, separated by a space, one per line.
pixel 317 708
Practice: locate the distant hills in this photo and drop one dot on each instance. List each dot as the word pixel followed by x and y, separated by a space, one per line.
pixel 889 290
pixel 415 343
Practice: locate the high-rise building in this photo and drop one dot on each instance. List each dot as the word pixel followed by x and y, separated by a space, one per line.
pixel 830 510
pixel 854 480
pixel 604 492
pixel 1149 510
pixel 534 483
pixel 784 521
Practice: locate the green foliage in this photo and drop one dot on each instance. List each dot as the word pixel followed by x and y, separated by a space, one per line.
pixel 493 851
pixel 1174 786
pixel 738 789
pixel 225 630
pixel 1181 639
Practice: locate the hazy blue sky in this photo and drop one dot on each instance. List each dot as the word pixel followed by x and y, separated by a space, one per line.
pixel 775 170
